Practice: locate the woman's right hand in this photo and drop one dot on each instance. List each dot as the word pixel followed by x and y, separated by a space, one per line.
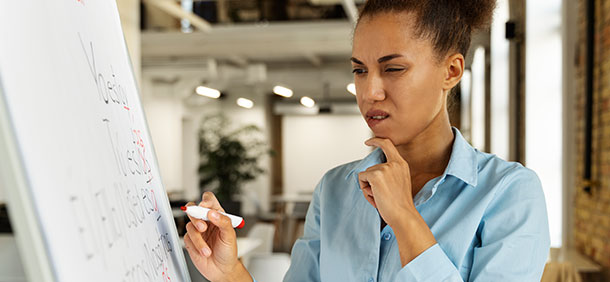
pixel 212 245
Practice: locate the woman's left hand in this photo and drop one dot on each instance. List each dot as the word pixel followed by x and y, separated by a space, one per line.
pixel 387 186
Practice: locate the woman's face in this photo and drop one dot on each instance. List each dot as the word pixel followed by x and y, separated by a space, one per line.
pixel 400 83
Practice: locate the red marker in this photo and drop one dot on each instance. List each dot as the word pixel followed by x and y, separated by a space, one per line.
pixel 202 213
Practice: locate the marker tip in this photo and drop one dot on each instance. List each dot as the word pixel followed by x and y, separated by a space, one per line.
pixel 241 225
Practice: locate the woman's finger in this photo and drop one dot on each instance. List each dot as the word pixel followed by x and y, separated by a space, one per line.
pixel 368 195
pixel 365 178
pixel 197 240
pixel 389 149
pixel 371 201
pixel 190 247
pixel 368 191
pixel 201 225
pixel 227 233
pixel 208 200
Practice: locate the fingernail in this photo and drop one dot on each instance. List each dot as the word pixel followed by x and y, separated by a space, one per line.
pixel 215 215
pixel 200 226
pixel 206 251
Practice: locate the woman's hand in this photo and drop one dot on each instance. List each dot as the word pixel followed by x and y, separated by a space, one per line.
pixel 212 245
pixel 387 187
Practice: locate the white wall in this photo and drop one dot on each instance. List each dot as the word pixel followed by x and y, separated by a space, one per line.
pixel 164 116
pixel 314 144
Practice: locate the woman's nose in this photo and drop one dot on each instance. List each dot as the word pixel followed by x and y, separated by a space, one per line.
pixel 372 89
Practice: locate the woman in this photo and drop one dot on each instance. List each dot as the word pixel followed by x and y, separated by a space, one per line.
pixel 423 206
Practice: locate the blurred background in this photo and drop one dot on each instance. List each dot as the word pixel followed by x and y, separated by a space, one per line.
pixel 253 99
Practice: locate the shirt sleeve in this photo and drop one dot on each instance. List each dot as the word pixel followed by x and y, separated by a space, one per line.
pixel 305 256
pixel 514 238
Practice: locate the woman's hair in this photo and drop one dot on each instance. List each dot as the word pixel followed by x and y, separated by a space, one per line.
pixel 447 23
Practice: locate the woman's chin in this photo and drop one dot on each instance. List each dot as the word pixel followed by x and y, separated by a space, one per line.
pixel 382 130
pixel 381 134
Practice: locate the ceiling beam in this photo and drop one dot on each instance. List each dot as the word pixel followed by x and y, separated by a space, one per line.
pixel 238 60
pixel 253 43
pixel 176 10
pixel 314 60
pixel 350 10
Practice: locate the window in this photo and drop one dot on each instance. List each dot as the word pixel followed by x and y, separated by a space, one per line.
pixel 477 101
pixel 543 103
pixel 499 112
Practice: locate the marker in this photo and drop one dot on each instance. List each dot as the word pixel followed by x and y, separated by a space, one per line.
pixel 202 213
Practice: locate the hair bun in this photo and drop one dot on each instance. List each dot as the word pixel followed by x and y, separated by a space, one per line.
pixel 477 14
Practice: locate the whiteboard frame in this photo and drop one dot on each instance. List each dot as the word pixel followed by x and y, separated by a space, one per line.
pixel 177 248
pixel 24 221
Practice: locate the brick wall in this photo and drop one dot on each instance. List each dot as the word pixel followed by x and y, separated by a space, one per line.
pixel 592 212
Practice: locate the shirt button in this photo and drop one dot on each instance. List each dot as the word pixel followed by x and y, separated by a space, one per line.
pixel 387 236
pixel 371 280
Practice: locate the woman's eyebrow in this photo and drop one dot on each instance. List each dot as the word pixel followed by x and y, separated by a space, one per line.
pixel 356 61
pixel 388 57
pixel 380 60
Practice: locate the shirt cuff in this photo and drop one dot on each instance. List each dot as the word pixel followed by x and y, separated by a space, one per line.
pixel 431 265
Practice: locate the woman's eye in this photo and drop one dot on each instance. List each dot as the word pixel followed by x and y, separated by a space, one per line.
pixel 393 69
pixel 358 71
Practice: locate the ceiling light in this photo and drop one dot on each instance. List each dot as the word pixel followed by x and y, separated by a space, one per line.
pixel 282 91
pixel 351 88
pixel 208 92
pixel 245 103
pixel 307 102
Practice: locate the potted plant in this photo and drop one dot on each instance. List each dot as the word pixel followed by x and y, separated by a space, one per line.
pixel 228 158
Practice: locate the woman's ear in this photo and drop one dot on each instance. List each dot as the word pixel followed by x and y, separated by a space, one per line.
pixel 454 68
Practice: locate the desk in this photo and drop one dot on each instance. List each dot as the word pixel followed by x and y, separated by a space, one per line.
pixel 566 264
pixel 581 263
pixel 291 199
pixel 287 226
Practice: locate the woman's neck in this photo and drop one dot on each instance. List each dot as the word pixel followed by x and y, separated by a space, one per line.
pixel 430 151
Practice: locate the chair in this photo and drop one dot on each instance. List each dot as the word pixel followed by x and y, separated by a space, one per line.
pixel 270 267
pixel 262 263
pixel 264 232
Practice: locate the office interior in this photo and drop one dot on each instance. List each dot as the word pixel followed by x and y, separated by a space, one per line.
pixel 536 90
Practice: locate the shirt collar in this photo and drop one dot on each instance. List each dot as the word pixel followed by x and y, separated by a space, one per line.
pixel 463 162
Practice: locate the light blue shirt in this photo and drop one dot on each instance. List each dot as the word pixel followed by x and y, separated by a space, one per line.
pixel 488 217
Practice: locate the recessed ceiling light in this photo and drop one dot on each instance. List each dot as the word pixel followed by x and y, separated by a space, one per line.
pixel 208 92
pixel 245 103
pixel 282 91
pixel 307 102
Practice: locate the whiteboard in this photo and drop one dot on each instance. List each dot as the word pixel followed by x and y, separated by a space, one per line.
pixel 77 162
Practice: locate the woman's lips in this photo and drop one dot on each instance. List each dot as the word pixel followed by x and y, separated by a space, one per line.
pixel 375 117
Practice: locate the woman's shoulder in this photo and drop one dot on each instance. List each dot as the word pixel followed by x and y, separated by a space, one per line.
pixel 507 176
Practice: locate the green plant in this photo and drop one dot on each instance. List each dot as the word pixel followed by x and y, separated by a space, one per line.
pixel 229 158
